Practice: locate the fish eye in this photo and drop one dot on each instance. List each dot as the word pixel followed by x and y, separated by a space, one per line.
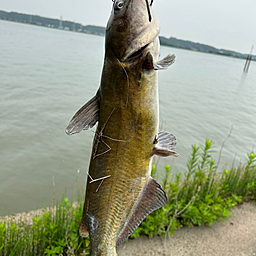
pixel 119 5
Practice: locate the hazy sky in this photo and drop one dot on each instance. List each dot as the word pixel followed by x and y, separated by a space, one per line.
pixel 228 24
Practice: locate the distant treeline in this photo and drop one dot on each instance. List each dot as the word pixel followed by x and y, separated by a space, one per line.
pixel 90 29
pixel 52 23
pixel 178 43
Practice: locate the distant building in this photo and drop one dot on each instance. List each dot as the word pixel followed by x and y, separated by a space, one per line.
pixel 60 26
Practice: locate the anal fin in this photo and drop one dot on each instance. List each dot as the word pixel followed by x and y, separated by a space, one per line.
pixel 165 144
pixel 86 117
pixel 152 198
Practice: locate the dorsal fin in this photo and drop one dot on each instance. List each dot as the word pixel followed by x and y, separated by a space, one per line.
pixel 152 198
pixel 86 117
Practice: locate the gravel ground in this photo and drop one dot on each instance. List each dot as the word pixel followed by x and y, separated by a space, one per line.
pixel 236 237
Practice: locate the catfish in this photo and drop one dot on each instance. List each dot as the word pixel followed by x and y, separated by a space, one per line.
pixel 120 192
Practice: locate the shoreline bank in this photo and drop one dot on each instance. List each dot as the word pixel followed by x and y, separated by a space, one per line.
pixel 236 237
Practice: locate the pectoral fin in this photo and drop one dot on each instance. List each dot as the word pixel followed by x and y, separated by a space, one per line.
pixel 150 63
pixel 164 63
pixel 85 118
pixel 152 198
pixel 165 144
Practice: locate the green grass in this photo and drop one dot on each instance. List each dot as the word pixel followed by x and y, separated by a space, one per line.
pixel 200 197
pixel 52 233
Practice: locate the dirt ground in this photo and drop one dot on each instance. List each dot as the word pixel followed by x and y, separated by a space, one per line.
pixel 236 237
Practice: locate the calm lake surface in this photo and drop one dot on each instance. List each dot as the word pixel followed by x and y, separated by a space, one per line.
pixel 46 75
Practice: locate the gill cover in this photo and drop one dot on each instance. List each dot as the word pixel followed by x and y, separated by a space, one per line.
pixel 129 27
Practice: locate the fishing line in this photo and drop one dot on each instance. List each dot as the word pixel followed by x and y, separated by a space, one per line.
pixel 148 8
pixel 149 14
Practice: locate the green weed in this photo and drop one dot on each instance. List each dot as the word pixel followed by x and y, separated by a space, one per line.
pixel 55 232
pixel 200 197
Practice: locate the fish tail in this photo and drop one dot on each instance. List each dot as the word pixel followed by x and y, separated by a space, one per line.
pixel 107 251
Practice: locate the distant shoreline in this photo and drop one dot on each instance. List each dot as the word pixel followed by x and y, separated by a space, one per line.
pixel 100 31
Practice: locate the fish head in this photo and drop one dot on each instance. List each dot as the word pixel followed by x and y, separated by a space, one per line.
pixel 132 26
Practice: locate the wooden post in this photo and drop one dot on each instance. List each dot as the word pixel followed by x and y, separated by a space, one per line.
pixel 248 61
pixel 245 66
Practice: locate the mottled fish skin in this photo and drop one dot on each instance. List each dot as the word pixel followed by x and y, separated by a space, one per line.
pixel 126 108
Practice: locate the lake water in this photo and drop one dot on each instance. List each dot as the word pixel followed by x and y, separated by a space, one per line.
pixel 46 75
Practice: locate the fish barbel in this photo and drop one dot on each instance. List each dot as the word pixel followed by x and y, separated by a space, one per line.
pixel 120 192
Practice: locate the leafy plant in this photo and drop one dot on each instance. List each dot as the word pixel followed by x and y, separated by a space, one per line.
pixel 200 197
pixel 55 232
pixel 203 196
